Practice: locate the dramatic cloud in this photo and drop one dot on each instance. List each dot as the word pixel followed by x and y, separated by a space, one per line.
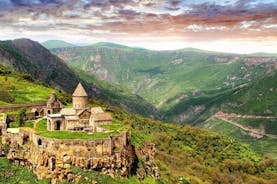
pixel 168 23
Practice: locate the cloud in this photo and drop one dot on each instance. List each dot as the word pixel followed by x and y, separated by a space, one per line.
pixel 198 20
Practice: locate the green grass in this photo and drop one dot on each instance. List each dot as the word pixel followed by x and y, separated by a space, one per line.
pixel 41 125
pixel 23 91
pixel 22 88
pixel 74 135
pixel 29 124
pixel 113 129
pixel 115 126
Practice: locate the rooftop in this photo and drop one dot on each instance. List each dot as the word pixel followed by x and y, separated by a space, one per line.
pixel 79 91
pixel 68 111
pixel 55 115
pixel 102 116
pixel 96 110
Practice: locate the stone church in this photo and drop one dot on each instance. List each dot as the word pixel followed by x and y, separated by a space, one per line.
pixel 79 117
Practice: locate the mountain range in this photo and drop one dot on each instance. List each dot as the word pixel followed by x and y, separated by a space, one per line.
pixel 183 85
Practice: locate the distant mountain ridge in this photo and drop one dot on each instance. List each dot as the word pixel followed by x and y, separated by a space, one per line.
pixel 52 44
pixel 182 84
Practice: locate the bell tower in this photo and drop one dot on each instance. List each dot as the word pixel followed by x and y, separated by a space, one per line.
pixel 80 98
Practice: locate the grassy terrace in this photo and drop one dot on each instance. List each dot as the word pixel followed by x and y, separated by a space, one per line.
pixel 114 129
pixel 16 90
pixel 73 135
pixel 21 88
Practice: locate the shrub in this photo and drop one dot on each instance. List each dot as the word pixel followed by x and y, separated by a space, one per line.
pixel 6 96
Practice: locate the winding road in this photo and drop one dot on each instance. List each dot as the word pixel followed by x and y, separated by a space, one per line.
pixel 257 133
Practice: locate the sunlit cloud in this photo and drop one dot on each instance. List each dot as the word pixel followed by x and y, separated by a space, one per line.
pixel 245 26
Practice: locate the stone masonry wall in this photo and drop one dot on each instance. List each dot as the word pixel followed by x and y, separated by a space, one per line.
pixel 15 107
pixel 53 158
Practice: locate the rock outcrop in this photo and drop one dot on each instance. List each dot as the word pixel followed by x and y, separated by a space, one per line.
pixel 150 167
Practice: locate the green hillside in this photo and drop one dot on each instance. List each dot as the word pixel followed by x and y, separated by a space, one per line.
pixel 268 124
pixel 29 57
pixel 182 84
pixel 264 146
pixel 184 154
pixel 52 44
pixel 18 88
pixel 257 98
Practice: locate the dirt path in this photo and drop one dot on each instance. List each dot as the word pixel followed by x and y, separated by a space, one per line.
pixel 256 133
pixel 226 115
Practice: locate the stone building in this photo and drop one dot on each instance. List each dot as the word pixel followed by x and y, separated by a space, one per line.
pixel 53 105
pixel 79 117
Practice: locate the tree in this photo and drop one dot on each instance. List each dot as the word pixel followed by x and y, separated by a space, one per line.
pixel 20 117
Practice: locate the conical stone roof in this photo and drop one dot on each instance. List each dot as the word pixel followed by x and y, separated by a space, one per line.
pixel 79 91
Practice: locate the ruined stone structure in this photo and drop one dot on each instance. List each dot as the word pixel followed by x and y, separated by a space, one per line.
pixel 53 158
pixel 38 109
pixel 79 117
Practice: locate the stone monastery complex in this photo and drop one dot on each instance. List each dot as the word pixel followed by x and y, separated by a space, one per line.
pixel 53 158
pixel 79 117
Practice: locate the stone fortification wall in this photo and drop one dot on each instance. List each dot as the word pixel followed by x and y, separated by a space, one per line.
pixel 73 147
pixel 13 117
pixel 15 107
pixel 53 158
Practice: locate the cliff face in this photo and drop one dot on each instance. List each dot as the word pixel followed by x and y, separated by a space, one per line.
pixel 55 165
pixel 54 159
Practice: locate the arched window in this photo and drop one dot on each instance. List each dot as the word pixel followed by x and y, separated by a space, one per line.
pixel 39 142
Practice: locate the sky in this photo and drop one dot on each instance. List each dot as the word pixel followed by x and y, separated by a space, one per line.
pixel 237 26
